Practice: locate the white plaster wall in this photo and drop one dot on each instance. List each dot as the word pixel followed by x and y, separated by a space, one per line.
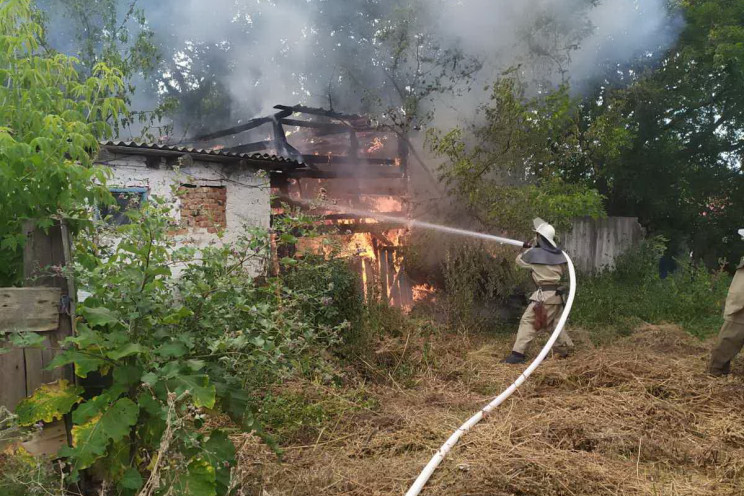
pixel 248 192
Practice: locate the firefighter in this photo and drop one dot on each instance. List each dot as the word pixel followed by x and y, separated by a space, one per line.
pixel 731 337
pixel 548 264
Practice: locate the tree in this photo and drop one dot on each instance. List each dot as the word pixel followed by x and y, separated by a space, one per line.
pixel 52 122
pixel 116 33
pixel 681 174
pixel 519 164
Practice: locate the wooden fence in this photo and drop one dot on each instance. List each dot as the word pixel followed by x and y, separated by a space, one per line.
pixel 44 305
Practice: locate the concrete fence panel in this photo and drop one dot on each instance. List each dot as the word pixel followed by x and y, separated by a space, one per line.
pixel 595 244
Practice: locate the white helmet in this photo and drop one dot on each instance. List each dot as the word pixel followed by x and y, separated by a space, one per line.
pixel 741 233
pixel 545 230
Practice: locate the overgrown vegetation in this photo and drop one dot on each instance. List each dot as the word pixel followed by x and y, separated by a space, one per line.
pixel 633 293
pixel 511 168
pixel 51 120
pixel 179 333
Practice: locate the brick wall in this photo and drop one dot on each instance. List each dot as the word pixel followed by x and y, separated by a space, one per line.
pixel 203 207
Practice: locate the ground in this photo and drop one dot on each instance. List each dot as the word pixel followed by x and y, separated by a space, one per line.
pixel 637 416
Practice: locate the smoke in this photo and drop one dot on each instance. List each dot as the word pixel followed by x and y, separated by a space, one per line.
pixel 334 52
pixel 551 42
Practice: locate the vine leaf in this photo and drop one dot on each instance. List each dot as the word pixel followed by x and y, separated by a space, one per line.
pixel 91 439
pixel 84 362
pixel 128 349
pixel 199 480
pixel 99 316
pixel 220 452
pixel 200 388
pixel 132 479
pixel 48 403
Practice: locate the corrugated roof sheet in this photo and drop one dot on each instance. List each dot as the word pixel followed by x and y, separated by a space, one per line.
pixel 262 157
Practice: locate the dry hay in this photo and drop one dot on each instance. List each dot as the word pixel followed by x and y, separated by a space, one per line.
pixel 637 417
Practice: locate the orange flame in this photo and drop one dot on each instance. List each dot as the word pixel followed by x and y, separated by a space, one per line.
pixel 376 145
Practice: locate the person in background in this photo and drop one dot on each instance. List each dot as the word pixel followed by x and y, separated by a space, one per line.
pixel 548 264
pixel 731 337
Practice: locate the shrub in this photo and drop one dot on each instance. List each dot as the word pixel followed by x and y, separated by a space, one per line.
pixel 634 292
pixel 176 333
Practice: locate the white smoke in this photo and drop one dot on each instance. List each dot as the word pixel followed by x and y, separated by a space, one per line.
pixel 314 51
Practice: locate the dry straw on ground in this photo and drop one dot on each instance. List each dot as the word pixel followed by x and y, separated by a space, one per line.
pixel 636 417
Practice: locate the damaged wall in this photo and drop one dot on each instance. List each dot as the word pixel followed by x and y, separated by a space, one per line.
pixel 208 198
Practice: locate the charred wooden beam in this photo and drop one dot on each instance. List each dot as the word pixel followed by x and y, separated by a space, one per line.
pixel 319 111
pixel 366 173
pixel 280 138
pixel 326 126
pixel 346 160
pixel 353 145
pixel 251 124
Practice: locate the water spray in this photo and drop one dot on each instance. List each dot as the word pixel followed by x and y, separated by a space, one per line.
pixel 442 452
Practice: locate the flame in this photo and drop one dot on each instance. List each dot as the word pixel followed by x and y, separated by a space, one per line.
pixel 376 146
pixel 423 292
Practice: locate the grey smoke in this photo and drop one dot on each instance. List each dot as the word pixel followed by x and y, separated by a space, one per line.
pixel 317 51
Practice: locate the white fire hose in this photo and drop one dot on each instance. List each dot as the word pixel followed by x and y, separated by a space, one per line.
pixel 423 478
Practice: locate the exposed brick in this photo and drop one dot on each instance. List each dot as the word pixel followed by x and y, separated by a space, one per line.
pixel 204 207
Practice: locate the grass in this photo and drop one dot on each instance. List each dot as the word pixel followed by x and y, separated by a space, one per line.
pixel 693 297
pixel 637 416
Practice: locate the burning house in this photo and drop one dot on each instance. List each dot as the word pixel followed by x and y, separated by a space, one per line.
pixel 335 166
pixel 350 172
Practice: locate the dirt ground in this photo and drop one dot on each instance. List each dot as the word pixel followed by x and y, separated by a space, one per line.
pixel 638 416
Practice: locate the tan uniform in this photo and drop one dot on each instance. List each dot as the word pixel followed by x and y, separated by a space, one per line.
pixel 731 337
pixel 542 275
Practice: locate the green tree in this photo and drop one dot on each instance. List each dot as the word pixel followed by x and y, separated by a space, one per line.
pixel 518 164
pixel 52 121
pixel 116 33
pixel 681 174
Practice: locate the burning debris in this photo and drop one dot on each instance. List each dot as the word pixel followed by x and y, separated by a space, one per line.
pixel 349 166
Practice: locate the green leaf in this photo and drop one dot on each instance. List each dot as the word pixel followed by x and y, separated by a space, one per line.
pixel 172 350
pixel 128 349
pixel 99 316
pixel 91 439
pixel 27 339
pixel 288 239
pixel 48 403
pixel 288 261
pixel 176 317
pixel 127 376
pixel 132 480
pixel 195 365
pixel 152 425
pixel 150 378
pixel 84 363
pixel 202 391
pixel 90 409
pixel 200 480
pixel 220 452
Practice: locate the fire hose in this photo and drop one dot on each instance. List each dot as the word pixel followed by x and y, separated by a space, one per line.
pixel 442 452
